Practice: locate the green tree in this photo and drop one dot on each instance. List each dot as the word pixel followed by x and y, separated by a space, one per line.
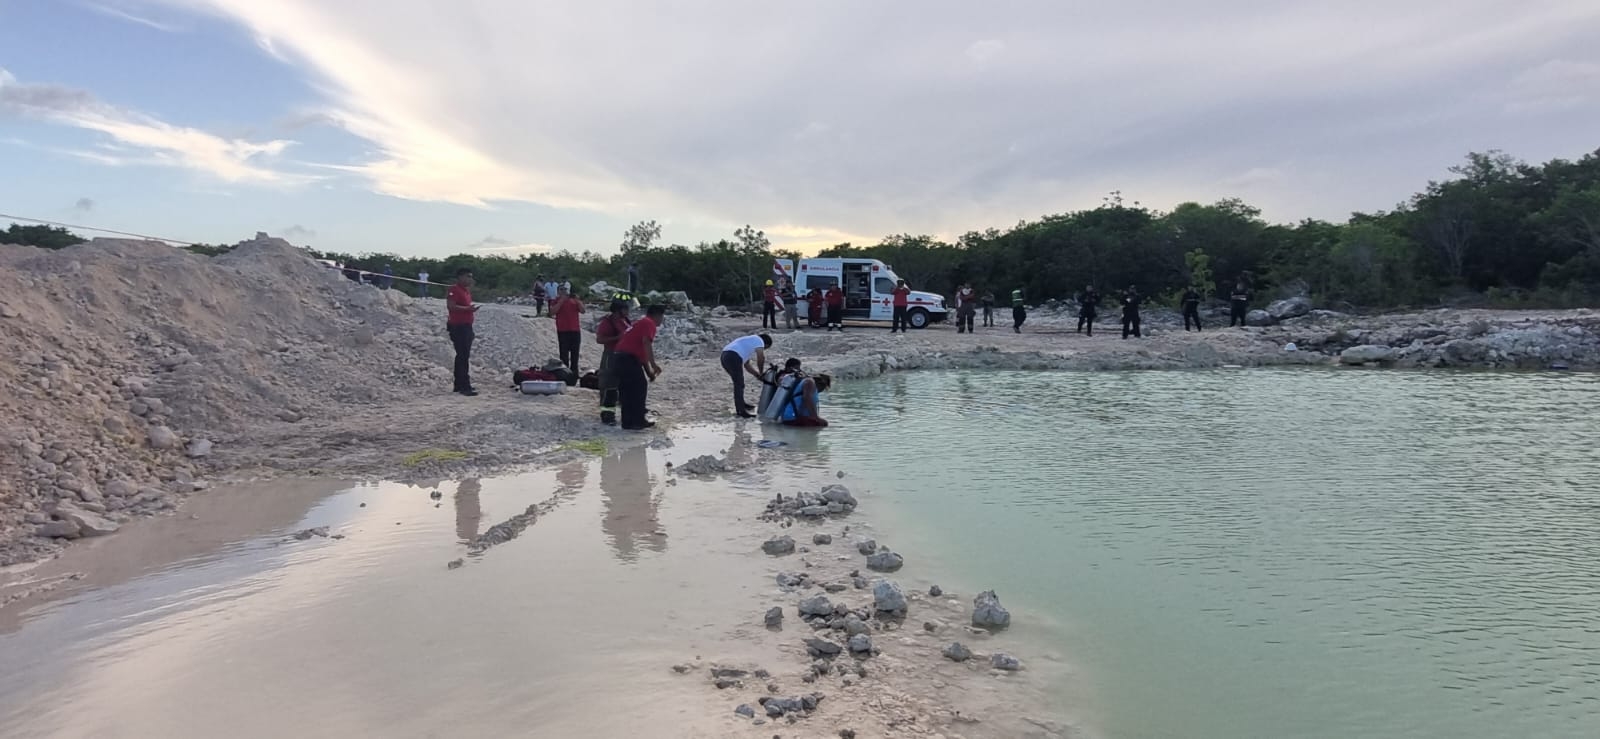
pixel 44 237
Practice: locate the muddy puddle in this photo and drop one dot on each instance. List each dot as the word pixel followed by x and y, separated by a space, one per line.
pixel 220 622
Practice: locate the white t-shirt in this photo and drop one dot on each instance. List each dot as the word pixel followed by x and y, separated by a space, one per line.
pixel 745 346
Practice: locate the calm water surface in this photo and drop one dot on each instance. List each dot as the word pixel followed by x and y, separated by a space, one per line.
pixel 1267 553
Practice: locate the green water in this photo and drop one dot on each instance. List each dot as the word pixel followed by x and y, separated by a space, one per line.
pixel 1265 553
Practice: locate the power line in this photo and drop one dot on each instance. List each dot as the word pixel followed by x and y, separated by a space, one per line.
pixel 179 242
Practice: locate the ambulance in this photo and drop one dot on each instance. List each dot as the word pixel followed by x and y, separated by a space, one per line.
pixel 868 290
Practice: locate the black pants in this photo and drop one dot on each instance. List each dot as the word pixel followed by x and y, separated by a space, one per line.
pixel 1130 325
pixel 836 317
pixel 769 315
pixel 988 316
pixel 1191 313
pixel 734 366
pixel 569 341
pixel 1086 321
pixel 632 389
pixel 538 306
pixel 900 321
pixel 608 387
pixel 461 337
pixel 964 322
pixel 1236 315
pixel 1019 315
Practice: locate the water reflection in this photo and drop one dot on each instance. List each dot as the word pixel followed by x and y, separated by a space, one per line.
pixel 469 511
pixel 627 493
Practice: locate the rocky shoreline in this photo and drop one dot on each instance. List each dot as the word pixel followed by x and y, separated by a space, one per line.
pixel 859 651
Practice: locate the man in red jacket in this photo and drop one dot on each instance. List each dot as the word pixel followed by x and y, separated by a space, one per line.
pixel 814 314
pixel 460 310
pixel 902 298
pixel 569 332
pixel 769 306
pixel 835 300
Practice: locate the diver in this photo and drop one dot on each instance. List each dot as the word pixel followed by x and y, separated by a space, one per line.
pixel 804 405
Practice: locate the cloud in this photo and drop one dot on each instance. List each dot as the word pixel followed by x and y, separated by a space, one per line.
pixel 927 116
pixel 122 14
pixel 142 139
pixel 1554 86
pixel 298 231
pixel 84 205
pixel 502 247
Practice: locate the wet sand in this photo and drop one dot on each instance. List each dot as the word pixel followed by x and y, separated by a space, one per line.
pixel 572 628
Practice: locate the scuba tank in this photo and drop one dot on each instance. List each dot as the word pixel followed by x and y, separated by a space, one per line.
pixel 782 397
pixel 769 380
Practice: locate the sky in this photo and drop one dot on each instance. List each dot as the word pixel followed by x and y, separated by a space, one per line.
pixel 425 127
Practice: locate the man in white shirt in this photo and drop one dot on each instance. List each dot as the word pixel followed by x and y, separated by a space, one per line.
pixel 745 354
pixel 422 284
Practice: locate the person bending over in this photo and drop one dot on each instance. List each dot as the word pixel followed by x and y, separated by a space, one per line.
pixel 745 354
pixel 806 404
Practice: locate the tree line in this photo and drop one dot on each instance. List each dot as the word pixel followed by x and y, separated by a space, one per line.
pixel 1497 232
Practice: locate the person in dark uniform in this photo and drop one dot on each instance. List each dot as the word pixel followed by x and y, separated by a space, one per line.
pixel 1088 309
pixel 988 309
pixel 1130 312
pixel 1019 311
pixel 1191 308
pixel 635 365
pixel 1238 304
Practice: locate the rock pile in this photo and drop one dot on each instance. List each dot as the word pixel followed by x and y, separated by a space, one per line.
pixel 833 500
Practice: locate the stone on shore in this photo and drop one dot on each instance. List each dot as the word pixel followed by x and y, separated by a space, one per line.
pixel 89 524
pixel 161 437
pixel 988 613
pixel 1003 661
pixel 820 539
pixel 935 591
pixel 867 546
pixel 199 448
pixel 822 647
pixel 957 652
pixel 57 530
pixel 791 580
pixel 1367 354
pixel 885 562
pixel 1283 310
pixel 779 546
pixel 812 511
pixel 839 494
pixel 854 626
pixel 887 597
pixel 816 605
pixel 745 710
pixel 1258 318
pixel 860 644
pixel 774 617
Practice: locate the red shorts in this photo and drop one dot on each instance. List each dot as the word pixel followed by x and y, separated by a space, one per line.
pixel 807 422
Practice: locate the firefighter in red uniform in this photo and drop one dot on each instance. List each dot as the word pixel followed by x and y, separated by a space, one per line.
pixel 835 298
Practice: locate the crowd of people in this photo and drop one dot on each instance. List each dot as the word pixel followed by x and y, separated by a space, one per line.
pixel 789 395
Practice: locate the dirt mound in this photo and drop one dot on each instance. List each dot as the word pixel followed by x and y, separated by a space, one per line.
pixel 131 360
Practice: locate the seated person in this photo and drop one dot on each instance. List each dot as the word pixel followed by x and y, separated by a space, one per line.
pixel 803 410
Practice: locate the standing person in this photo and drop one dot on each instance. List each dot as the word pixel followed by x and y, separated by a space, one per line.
pixel 636 367
pixel 633 278
pixel 1130 312
pixel 814 310
pixel 1191 308
pixel 422 284
pixel 791 307
pixel 388 276
pixel 966 308
pixel 569 331
pixel 1088 309
pixel 988 309
pixel 1019 311
pixel 539 295
pixel 902 299
pixel 1238 304
pixel 607 333
pixel 835 298
pixel 459 313
pixel 769 306
pixel 745 354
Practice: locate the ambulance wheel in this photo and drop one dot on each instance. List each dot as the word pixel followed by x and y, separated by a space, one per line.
pixel 918 318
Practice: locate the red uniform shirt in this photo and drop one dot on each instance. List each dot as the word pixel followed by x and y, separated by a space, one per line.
pixel 611 326
pixel 835 297
pixel 901 294
pixel 567 310
pixel 770 294
pixel 642 332
pixel 458 295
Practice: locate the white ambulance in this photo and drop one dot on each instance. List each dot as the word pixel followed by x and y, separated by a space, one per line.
pixel 868 290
